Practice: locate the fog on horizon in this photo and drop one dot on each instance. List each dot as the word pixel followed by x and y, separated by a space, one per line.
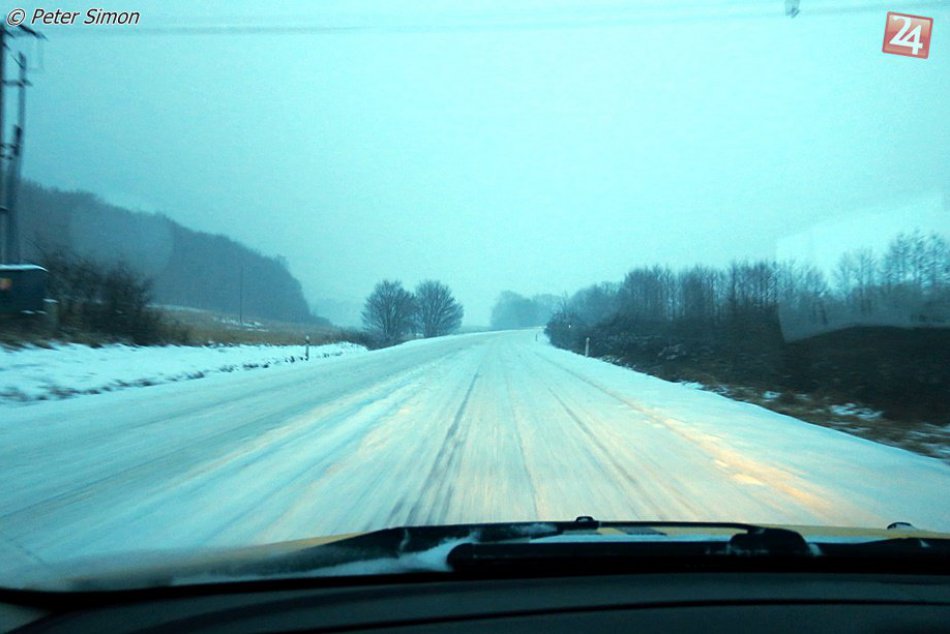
pixel 532 146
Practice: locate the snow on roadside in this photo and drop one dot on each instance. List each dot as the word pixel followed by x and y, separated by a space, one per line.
pixel 65 370
pixel 693 385
pixel 850 409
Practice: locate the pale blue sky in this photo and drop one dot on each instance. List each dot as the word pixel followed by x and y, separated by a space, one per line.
pixel 497 145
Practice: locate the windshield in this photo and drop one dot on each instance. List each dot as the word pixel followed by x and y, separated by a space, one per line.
pixel 314 269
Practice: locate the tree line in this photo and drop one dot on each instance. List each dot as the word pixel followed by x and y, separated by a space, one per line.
pixel 512 311
pixel 908 285
pixel 778 324
pixel 392 314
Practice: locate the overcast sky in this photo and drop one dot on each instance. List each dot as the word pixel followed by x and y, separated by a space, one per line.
pixel 533 146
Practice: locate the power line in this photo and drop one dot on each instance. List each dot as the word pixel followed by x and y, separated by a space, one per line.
pixel 619 17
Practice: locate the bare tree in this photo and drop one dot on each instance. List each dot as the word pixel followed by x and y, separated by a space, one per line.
pixel 389 311
pixel 697 294
pixel 94 296
pixel 592 304
pixel 648 293
pixel 896 266
pixel 856 275
pixel 437 312
pixel 936 264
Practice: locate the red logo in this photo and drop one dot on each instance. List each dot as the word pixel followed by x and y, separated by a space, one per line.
pixel 907 35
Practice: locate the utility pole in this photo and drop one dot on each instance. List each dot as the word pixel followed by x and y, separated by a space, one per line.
pixel 5 256
pixel 16 166
pixel 9 179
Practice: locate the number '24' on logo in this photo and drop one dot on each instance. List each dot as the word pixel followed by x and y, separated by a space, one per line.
pixel 907 35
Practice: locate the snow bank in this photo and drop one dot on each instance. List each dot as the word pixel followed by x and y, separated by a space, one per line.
pixel 32 374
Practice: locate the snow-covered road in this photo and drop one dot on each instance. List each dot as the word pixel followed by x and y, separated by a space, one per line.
pixel 485 427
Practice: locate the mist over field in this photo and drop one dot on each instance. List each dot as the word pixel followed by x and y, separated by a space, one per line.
pixel 535 147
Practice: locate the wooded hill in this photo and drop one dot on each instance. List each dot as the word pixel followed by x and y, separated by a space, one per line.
pixel 187 268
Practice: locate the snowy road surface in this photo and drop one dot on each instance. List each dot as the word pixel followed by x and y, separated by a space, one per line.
pixel 485 427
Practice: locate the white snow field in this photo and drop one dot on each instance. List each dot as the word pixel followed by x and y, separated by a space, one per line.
pixel 65 370
pixel 484 427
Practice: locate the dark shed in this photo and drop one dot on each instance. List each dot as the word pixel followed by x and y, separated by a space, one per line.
pixel 22 288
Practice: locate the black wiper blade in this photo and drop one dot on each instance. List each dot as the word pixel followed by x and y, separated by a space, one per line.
pixel 394 543
pixel 583 546
pixel 750 549
pixel 390 544
pixel 636 553
pixel 402 543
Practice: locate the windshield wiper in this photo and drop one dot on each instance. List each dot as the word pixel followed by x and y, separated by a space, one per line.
pixel 401 542
pixel 751 549
pixel 587 546
pixel 584 546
